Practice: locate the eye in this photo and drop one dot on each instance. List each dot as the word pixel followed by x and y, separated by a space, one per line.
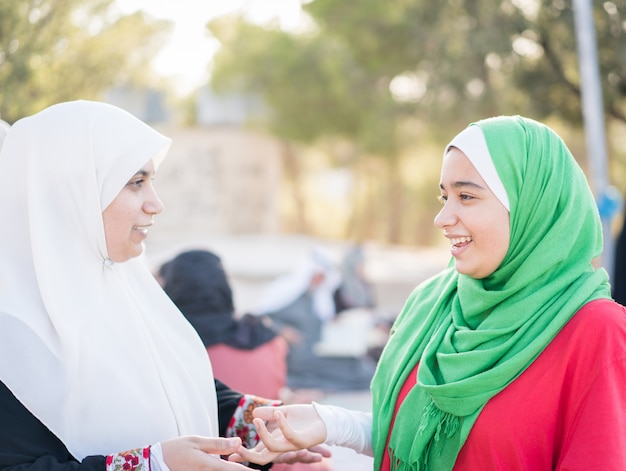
pixel 442 199
pixel 137 182
pixel 465 197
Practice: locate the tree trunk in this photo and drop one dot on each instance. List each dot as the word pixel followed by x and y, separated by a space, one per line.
pixel 291 164
pixel 396 203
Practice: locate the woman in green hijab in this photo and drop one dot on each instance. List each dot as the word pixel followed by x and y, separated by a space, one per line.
pixel 513 358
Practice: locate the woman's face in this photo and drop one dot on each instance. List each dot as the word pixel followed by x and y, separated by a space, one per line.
pixel 128 217
pixel 472 218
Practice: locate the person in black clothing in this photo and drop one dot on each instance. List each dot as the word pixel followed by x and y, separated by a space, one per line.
pixel 618 283
pixel 196 282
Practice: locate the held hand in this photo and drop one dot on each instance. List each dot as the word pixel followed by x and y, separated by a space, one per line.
pixel 294 427
pixel 194 453
pixel 314 454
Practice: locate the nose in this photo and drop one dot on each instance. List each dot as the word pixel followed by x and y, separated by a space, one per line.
pixel 445 217
pixel 153 204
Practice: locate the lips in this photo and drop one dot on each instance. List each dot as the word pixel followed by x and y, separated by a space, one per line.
pixel 142 229
pixel 458 242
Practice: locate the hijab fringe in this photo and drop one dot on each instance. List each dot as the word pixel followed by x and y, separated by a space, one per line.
pixel 447 425
pixel 398 465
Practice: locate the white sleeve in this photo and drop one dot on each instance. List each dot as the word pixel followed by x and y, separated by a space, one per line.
pixel 156 459
pixel 347 428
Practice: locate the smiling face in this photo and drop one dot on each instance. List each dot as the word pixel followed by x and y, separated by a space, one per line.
pixel 472 218
pixel 128 217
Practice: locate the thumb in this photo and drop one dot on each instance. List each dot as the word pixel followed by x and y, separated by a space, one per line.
pixel 265 413
pixel 219 446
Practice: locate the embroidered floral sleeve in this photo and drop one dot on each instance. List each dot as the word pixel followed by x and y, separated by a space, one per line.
pixel 241 422
pixel 131 460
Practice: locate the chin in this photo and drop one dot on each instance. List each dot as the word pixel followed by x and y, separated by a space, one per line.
pixel 137 252
pixel 467 271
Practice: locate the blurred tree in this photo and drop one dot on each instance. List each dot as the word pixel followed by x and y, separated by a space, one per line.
pixel 314 90
pixel 476 58
pixel 448 59
pixel 469 59
pixel 549 74
pixel 385 74
pixel 57 50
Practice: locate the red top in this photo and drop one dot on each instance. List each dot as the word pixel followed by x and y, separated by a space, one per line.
pixel 567 411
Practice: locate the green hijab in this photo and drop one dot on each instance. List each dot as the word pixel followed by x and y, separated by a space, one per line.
pixel 473 337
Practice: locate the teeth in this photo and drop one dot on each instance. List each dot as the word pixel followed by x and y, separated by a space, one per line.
pixel 460 240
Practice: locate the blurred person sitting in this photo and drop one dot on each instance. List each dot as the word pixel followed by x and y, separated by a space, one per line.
pixel 618 283
pixel 299 304
pixel 354 290
pixel 196 282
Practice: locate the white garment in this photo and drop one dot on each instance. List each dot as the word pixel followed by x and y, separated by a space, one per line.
pixel 96 351
pixel 471 141
pixel 157 463
pixel 347 428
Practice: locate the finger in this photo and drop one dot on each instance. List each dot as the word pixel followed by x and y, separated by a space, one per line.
pixel 289 433
pixel 322 450
pixel 274 441
pixel 264 413
pixel 223 465
pixel 300 456
pixel 280 440
pixel 250 455
pixel 218 446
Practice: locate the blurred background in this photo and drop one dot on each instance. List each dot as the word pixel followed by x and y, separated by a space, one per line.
pixel 299 124
pixel 318 118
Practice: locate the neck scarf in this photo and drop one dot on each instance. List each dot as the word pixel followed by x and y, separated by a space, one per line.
pixel 94 349
pixel 195 280
pixel 473 337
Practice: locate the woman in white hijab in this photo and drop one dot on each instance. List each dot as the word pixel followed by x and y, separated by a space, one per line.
pixel 94 357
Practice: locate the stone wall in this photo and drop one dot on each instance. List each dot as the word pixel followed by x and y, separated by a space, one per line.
pixel 217 181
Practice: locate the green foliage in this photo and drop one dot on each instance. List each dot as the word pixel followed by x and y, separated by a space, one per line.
pixel 480 58
pixel 57 50
pixel 446 45
pixel 552 79
pixel 312 85
pixel 387 75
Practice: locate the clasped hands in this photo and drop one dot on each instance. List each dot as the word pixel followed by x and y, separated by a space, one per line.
pixel 289 434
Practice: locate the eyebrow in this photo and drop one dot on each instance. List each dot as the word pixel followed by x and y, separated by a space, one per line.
pixel 142 173
pixel 462 184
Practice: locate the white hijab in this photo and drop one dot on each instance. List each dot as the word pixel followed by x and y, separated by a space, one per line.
pixel 96 351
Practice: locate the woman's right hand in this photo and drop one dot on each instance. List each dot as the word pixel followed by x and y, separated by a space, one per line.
pixel 283 429
pixel 195 453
